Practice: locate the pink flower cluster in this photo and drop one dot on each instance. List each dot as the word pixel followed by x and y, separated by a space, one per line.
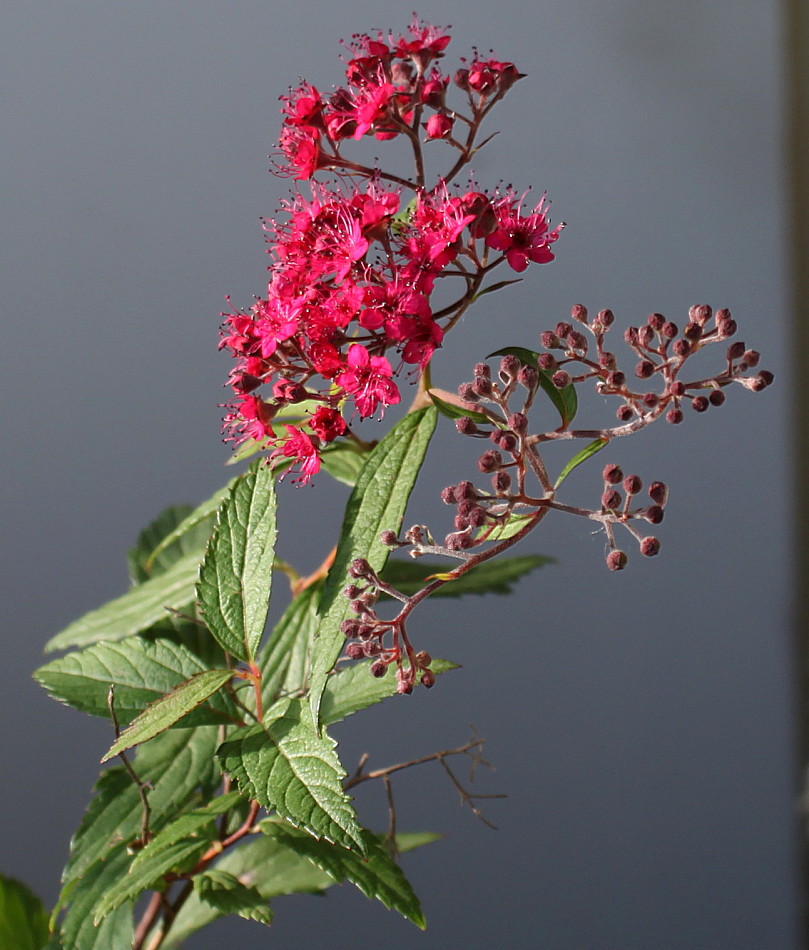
pixel 348 304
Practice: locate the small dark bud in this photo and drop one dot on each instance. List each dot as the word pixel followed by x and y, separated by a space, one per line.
pixel 501 481
pixel 460 522
pixel 467 393
pixel 631 336
pixel 579 312
pixel 644 369
pixel 645 335
pixel 607 360
pixel 654 514
pixel 616 379
pixel 692 332
pixel 736 350
pixel 659 493
pixel 507 441
pixel 761 381
pixel 699 403
pixel 766 377
pixel 379 668
pixel 482 386
pixel 461 79
pixel 681 348
pixel 423 659
pixel 490 461
pixel 560 379
pixel 389 538
pixel 611 499
pixel 577 341
pixel 465 506
pixel 509 367
pixel 676 388
pixel 352 591
pixel 448 495
pixel 351 628
pixel 656 321
pixel 359 567
pixel 716 398
pixel 371 648
pixel 354 651
pixel 624 413
pixel 358 606
pixel 562 329
pixel 674 416
pixel 669 330
pixel 632 484
pixel 727 328
pixel 616 560
pixel 529 377
pixel 477 517
pixel 482 371
pixel 701 314
pixel 612 474
pixel 366 631
pixel 547 361
pixel 518 422
pixel 650 400
pixel 549 340
pixel 751 357
pixel 606 318
pixel 649 547
pixel 466 426
pixel 428 679
pixel 465 490
pixel 457 541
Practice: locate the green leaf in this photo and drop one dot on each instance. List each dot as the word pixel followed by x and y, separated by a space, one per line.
pixel 78 929
pixel 141 672
pixel 284 659
pixel 586 452
pixel 343 461
pixel 164 712
pixel 493 287
pixel 190 534
pixel 178 765
pixel 226 894
pixel 565 400
pixel 492 577
pixel 451 411
pixel 174 533
pixel 377 875
pixel 378 502
pixel 236 574
pixel 136 610
pixel 284 765
pixel 354 688
pixel 507 529
pixel 191 824
pixel 148 874
pixel 273 870
pixel 23 919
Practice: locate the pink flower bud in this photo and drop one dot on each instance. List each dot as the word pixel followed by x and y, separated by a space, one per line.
pixel 616 560
pixel 439 126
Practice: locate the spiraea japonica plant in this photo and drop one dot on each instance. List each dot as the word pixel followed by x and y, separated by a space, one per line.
pixel 227 790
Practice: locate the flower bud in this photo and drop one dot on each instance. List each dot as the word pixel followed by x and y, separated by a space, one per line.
pixel 354 651
pixel 669 330
pixel 616 560
pixel 699 403
pixel 509 367
pixel 606 318
pixel 674 416
pixel 676 388
pixel 610 499
pixel 649 546
pixel 549 340
pixel 607 360
pixel 448 495
pixel 379 668
pixel 751 358
pixel 457 541
pixel 650 400
pixel 465 490
pixel 528 376
pixel 439 126
pixel 350 628
pixel 547 361
pixel 461 79
pixel 352 591
pixel 701 314
pixel 659 492
pixel 644 369
pixel 562 329
pixel 735 350
pixel 467 392
pixel 654 514
pixel 423 659
pixel 518 422
pixel 624 413
pixel 466 426
pixel 616 379
pixel 576 341
pixel 612 474
pixel 482 386
pixel 726 328
pixel 482 371
pixel 632 484
pixel 560 379
pixel 428 679
pixel 716 398
pixel 359 567
pixel 692 332
pixel 490 461
pixel 681 348
pixel 655 321
pixel 631 336
pixel 507 441
pixel 579 312
pixel 501 481
pixel 371 648
pixel 645 335
pixel 389 538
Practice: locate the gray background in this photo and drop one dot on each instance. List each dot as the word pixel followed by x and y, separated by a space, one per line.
pixel 640 723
